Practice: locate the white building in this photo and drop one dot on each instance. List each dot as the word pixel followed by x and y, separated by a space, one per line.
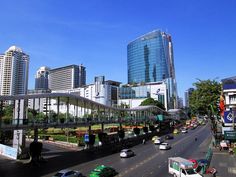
pixel 41 78
pixel 14 68
pixel 132 96
pixel 103 92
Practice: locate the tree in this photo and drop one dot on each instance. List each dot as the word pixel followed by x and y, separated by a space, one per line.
pixel 151 101
pixel 206 94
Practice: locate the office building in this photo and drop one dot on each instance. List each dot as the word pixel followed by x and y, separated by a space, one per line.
pixel 41 78
pixel 67 77
pixel 150 58
pixel 133 95
pixel 187 95
pixel 14 68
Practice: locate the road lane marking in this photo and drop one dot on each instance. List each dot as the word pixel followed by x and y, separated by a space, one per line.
pixel 159 152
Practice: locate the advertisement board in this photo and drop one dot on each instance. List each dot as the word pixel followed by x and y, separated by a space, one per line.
pixel 8 151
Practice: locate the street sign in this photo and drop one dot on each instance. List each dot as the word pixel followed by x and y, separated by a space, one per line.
pixel 230 135
pixel 160 117
pixel 86 138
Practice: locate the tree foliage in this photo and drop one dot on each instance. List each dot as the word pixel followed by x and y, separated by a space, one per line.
pixel 206 93
pixel 151 101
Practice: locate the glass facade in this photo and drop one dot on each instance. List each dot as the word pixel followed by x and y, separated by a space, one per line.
pixel 134 92
pixel 150 58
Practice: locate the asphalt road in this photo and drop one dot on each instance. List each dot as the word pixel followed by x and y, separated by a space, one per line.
pixel 148 161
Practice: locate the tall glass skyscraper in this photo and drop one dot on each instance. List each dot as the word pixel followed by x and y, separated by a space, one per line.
pixel 150 58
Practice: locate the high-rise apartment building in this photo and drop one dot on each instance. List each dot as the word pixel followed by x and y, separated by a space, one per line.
pixel 41 78
pixel 150 58
pixel 14 68
pixel 68 77
pixel 187 95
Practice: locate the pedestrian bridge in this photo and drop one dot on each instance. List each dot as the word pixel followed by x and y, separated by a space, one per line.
pixel 68 110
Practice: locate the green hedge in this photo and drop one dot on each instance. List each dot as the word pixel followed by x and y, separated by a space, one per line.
pixel 71 139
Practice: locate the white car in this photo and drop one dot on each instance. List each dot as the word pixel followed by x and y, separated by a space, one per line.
pixel 126 153
pixel 184 130
pixel 164 146
pixel 158 141
pixel 68 173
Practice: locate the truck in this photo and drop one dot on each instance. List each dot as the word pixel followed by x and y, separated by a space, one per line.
pixel 180 167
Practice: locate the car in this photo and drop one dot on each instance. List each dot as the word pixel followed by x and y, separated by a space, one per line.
pixel 154 138
pixel 183 130
pixel 103 171
pixel 158 141
pixel 176 131
pixel 68 173
pixel 224 144
pixel 168 137
pixel 126 153
pixel 164 146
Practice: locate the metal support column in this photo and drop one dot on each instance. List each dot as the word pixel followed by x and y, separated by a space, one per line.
pixel 67 109
pixel 46 110
pixel 18 113
pixel 58 109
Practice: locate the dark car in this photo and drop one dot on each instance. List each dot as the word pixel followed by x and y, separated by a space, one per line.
pixel 169 137
pixel 68 173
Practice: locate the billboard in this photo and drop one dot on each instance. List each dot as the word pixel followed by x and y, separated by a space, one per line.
pixel 8 151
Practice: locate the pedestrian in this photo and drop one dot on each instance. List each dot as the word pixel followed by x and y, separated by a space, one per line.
pixel 144 141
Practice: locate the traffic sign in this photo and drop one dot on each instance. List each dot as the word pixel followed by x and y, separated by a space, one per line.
pixel 86 138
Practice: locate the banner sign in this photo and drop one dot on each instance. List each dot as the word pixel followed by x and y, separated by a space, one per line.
pixel 228 117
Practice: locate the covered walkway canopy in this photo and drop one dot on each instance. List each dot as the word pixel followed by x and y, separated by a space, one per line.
pixel 93 112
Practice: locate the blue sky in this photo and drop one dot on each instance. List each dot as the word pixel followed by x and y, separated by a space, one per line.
pixel 95 33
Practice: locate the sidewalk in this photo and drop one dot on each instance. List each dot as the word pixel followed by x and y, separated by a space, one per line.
pixel 224 163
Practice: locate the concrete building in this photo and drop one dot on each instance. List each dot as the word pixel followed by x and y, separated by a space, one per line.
pixel 67 77
pixel 101 91
pixel 41 78
pixel 14 68
pixel 228 119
